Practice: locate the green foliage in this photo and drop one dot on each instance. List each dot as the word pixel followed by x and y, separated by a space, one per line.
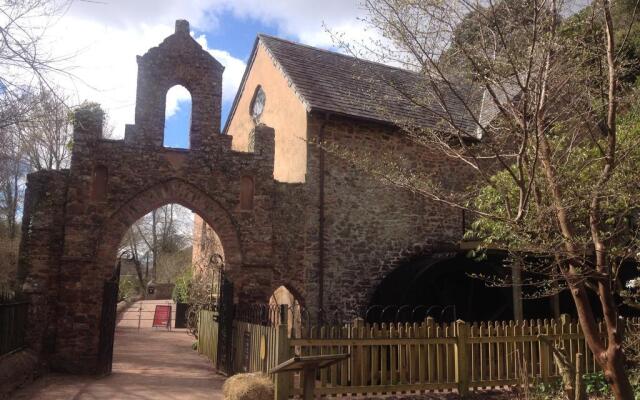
pixel 578 171
pixel 547 391
pixel 128 288
pixel 182 285
pixel 596 384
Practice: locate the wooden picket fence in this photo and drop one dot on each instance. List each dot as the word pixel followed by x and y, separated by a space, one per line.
pixel 413 358
pixel 208 335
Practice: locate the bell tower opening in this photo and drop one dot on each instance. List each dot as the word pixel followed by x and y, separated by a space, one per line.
pixel 177 118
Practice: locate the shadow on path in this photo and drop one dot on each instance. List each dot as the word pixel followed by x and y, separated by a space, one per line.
pixel 150 364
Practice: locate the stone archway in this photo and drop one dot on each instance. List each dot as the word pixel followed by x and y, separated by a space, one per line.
pixel 75 219
pixel 172 191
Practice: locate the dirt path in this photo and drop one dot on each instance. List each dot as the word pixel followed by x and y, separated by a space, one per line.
pixel 147 365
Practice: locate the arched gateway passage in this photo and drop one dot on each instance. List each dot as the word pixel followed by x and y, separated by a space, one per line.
pixel 75 219
pixel 172 191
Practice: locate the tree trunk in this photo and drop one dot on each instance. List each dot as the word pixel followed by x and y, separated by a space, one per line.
pixel 615 373
pixel 154 245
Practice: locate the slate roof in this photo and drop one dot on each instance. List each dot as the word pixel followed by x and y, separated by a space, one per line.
pixel 332 82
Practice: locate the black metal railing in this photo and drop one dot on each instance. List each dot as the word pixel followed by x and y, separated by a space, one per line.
pixel 13 322
pixel 298 315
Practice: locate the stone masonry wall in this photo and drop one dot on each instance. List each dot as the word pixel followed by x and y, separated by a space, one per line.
pixel 77 218
pixel 85 211
pixel 370 226
pixel 40 251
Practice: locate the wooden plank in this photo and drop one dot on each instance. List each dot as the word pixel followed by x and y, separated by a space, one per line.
pixel 431 370
pixel 384 352
pixel 375 356
pixel 545 355
pixel 351 390
pixel 402 355
pixel 366 356
pixel 323 351
pixel 499 351
pixel 355 354
pixel 439 358
pixel 393 371
pixel 333 371
pixel 473 332
pixel 492 351
pixel 344 365
pixel 483 369
pixel 309 342
pixel 422 355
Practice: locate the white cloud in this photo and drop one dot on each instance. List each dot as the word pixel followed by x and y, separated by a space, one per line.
pixel 233 69
pixel 105 38
pixel 104 65
pixel 176 96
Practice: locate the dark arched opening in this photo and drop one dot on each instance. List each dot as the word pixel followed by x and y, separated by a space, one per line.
pixel 443 289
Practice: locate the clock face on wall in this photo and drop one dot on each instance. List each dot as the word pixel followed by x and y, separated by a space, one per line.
pixel 257 106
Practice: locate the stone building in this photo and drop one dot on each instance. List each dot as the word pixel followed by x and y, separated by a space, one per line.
pixel 346 231
pixel 286 214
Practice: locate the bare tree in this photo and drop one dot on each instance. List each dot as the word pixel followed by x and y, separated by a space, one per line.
pixel 529 95
pixel 45 130
pixel 24 58
pixel 12 171
pixel 163 237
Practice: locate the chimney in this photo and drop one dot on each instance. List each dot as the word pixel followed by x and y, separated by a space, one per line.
pixel 182 26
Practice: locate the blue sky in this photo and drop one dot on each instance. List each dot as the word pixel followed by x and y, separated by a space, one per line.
pixel 101 39
pixel 237 35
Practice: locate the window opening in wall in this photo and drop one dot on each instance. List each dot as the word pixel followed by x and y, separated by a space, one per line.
pixel 177 118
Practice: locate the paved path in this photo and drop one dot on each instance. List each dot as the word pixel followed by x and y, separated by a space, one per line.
pixel 149 365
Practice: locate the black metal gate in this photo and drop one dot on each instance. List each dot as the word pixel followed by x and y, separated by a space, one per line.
pixel 108 322
pixel 225 327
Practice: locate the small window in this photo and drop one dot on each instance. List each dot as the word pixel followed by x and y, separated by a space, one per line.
pixel 99 183
pixel 257 104
pixel 246 193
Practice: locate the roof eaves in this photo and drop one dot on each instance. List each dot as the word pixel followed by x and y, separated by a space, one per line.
pixel 323 110
pixel 236 99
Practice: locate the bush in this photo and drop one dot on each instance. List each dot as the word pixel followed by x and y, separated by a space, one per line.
pixel 248 387
pixel 128 288
pixel 181 288
pixel 596 384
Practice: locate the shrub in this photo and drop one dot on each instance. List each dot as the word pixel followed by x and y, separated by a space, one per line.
pixel 596 384
pixel 127 289
pixel 181 288
pixel 248 387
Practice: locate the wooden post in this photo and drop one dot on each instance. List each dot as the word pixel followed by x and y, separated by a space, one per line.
pixel 283 379
pixel 579 389
pixel 544 354
pixel 462 361
pixel 356 361
pixel 308 384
